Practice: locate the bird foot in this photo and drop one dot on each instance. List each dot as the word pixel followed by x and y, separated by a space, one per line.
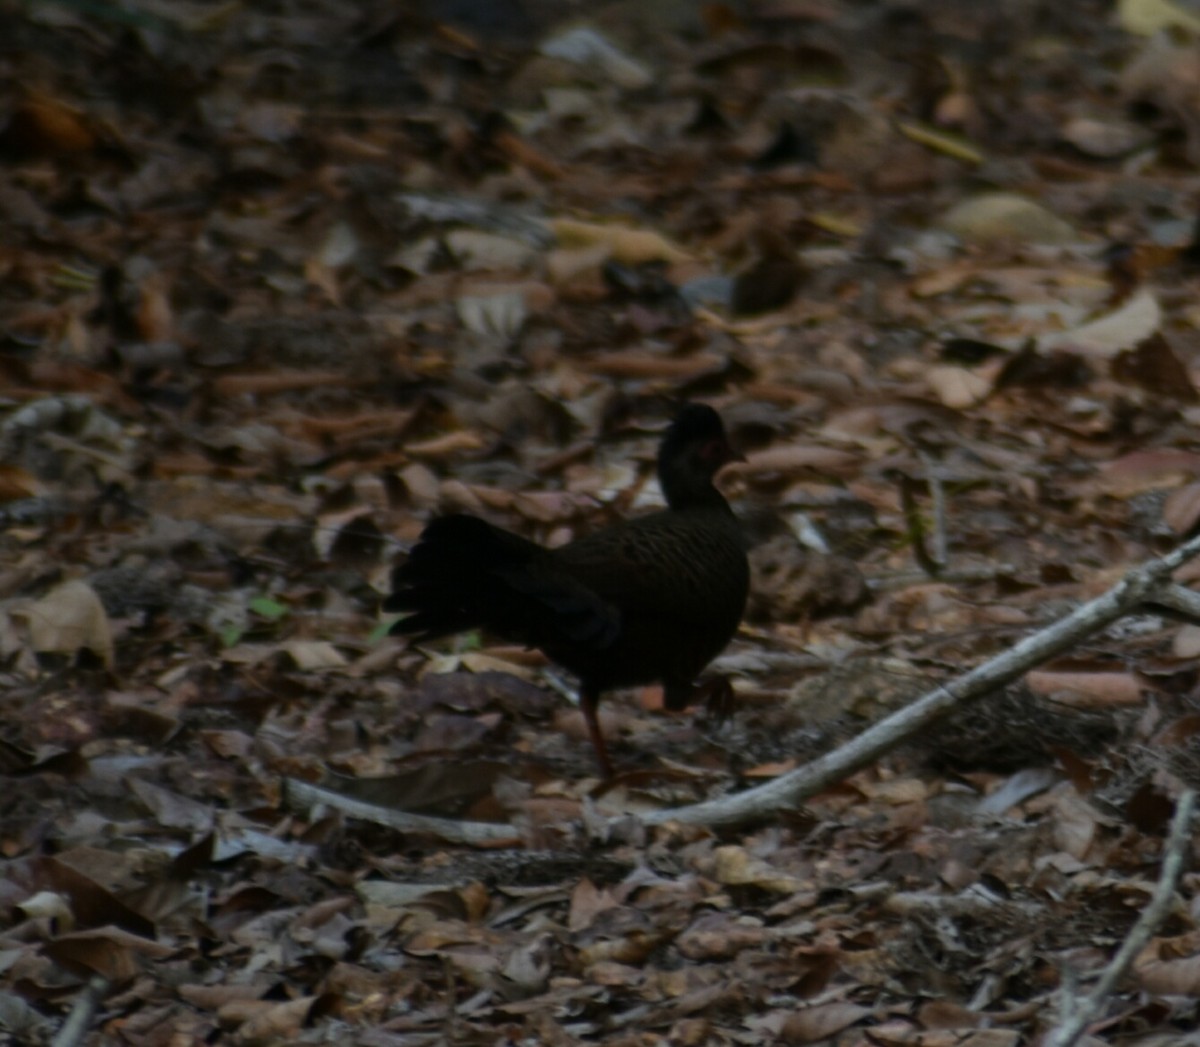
pixel 717 696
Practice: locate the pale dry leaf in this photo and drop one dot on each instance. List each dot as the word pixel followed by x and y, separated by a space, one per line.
pixel 631 246
pixel 896 791
pixel 1105 139
pixel 339 246
pixel 587 48
pixel 956 387
pixel 1186 643
pixel 1105 337
pixel 993 217
pixel 566 265
pixel 475 250
pixel 313 655
pixel 1147 17
pixel 1075 824
pixel 68 619
pixel 735 866
pixel 493 316
pixel 48 904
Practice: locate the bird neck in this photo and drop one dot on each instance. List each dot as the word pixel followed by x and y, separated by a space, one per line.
pixel 691 492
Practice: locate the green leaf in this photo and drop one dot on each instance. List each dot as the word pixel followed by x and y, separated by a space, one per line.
pixel 381 630
pixel 267 608
pixel 230 635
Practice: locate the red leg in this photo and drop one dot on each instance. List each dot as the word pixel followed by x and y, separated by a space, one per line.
pixel 589 700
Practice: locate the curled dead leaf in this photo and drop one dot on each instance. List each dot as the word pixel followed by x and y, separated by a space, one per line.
pixel 1170 967
pixel 735 866
pixel 1124 328
pixel 631 246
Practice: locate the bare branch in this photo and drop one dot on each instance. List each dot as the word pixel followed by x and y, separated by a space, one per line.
pixel 79 1021
pixel 1082 1012
pixel 1140 585
pixel 1177 602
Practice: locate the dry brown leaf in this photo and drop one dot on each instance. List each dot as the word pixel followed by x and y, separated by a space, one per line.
pixel 445 446
pixel 1088 690
pixel 1075 824
pixel 587 902
pixel 1181 510
pixel 16 483
pixel 41 123
pixel 822 1022
pixel 269 1023
pixel 1169 967
pixel 272 382
pixel 798 458
pixel 635 364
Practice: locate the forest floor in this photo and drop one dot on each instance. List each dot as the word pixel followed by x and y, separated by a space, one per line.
pixel 281 281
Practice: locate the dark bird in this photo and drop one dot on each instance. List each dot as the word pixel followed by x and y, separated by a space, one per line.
pixel 652 599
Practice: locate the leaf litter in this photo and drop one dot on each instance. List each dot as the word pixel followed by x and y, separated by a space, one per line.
pixel 269 304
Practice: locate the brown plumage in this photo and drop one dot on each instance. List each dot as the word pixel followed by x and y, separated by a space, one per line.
pixel 652 599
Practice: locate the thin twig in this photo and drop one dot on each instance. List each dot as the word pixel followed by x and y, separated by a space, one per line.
pixel 915 523
pixel 1083 1012
pixel 298 794
pixel 937 493
pixel 79 1021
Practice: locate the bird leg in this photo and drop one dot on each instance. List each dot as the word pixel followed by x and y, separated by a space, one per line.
pixel 717 696
pixel 589 700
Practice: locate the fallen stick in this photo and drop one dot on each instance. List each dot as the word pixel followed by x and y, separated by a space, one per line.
pixel 1078 1014
pixel 1148 583
pixel 1145 587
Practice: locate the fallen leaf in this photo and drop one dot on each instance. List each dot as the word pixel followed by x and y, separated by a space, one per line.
pixel 1006 216
pixel 68 619
pixel 1147 17
pixel 1105 337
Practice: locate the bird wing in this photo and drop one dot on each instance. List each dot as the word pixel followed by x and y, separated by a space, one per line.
pixel 665 563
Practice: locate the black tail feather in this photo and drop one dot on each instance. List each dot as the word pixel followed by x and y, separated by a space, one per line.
pixel 466 574
pixel 452 580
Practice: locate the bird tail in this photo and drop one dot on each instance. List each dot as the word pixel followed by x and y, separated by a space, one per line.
pixel 455 577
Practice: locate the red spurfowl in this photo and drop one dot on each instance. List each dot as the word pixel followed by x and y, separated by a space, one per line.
pixel 652 599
